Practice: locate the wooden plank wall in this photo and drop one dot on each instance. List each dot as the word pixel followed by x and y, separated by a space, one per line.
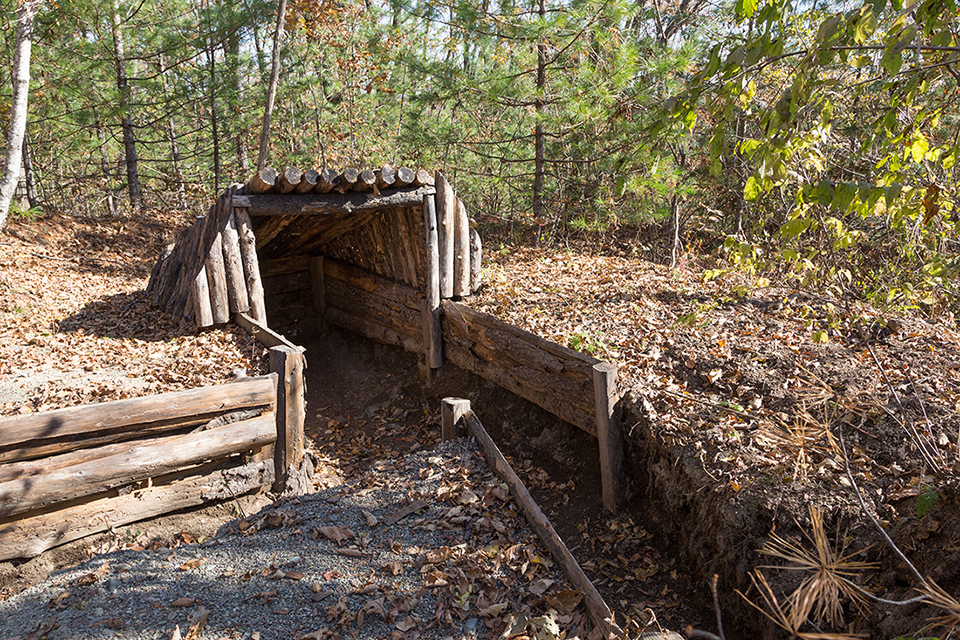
pixel 69 473
pixel 547 374
pixel 287 295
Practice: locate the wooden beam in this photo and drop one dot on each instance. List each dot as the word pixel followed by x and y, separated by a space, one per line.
pixel 329 179
pixel 261 182
pixel 541 525
pixel 405 176
pixel 217 280
pixel 141 461
pixel 461 251
pixel 452 411
pixel 331 204
pixel 608 433
pixel 432 330
pixel 238 297
pixel 446 225
pixel 476 257
pixel 32 535
pixel 308 181
pixel 200 295
pixel 264 335
pixel 318 289
pixel 251 266
pixel 76 422
pixel 373 330
pixel 288 364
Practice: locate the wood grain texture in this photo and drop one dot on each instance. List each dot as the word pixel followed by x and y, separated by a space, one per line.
pixel 289 365
pixel 446 218
pixel 609 435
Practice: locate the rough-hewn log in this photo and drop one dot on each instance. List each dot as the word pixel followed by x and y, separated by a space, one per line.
pixel 74 423
pixel 372 283
pixel 295 281
pixel 264 335
pixel 202 312
pixel 262 181
pixel 288 179
pixel 347 179
pixel 288 364
pixel 476 257
pixel 318 288
pixel 217 280
pixel 405 176
pixel 329 179
pixel 432 331
pixel 308 181
pixel 382 311
pixel 142 461
pixel 332 204
pixel 373 330
pixel 598 609
pixel 233 263
pixel 386 177
pixel 30 536
pixel 423 178
pixel 608 433
pixel 446 228
pixel 282 266
pixel 452 411
pixel 365 181
pixel 461 252
pixel 251 267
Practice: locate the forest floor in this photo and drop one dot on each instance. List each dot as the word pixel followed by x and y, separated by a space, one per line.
pixel 754 382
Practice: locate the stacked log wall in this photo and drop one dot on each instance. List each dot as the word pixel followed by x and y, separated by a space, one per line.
pixel 73 472
pixel 288 298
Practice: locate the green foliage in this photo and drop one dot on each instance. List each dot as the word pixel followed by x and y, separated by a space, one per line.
pixel 925 501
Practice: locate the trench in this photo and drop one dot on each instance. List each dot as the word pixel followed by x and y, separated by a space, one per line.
pixel 658 553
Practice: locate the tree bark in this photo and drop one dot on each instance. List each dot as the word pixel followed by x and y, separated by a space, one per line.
pixel 18 107
pixel 272 90
pixel 126 124
pixel 32 197
pixel 538 131
pixel 212 63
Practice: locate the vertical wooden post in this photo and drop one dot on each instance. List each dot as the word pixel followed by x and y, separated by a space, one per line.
pixel 608 432
pixel 288 364
pixel 251 265
pixel 476 255
pixel 236 283
pixel 432 331
pixel 451 411
pixel 319 290
pixel 217 280
pixel 446 224
pixel 202 313
pixel 461 258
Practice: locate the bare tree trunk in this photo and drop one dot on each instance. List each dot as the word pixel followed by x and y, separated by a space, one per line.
pixel 18 107
pixel 272 91
pixel 28 173
pixel 172 135
pixel 211 57
pixel 126 125
pixel 538 136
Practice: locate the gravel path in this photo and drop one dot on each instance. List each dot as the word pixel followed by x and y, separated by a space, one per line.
pixel 327 565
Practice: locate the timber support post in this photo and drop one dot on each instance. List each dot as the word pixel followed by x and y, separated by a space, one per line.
pixel 432 311
pixel 288 364
pixel 608 433
pixel 452 411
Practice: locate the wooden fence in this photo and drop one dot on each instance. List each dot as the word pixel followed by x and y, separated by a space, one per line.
pixel 70 473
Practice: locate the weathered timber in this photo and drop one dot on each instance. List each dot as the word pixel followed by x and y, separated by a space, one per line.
pixel 422 178
pixel 598 609
pixel 288 364
pixel 296 281
pixel 446 225
pixel 233 263
pixel 366 181
pixel 386 177
pixel 281 266
pixel 77 422
pixel 353 202
pixel 308 181
pixel 471 321
pixel 261 182
pixel 32 535
pixel 318 288
pixel 558 404
pixel 269 228
pixel 347 179
pixel 288 180
pixel 372 283
pixel 372 330
pixel 142 461
pixel 251 266
pixel 476 256
pixel 217 280
pixel 407 242
pixel 202 312
pixel 400 318
pixel 405 176
pixel 461 252
pixel 609 436
pixel 264 335
pixel 452 411
pixel 432 331
pixel 329 179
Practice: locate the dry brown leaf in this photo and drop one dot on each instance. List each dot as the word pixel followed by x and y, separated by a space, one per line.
pixel 407 624
pixel 337 534
pixel 353 552
pixel 493 610
pixel 439 555
pixel 191 564
pixel 89 578
pixel 564 601
pixel 183 602
pixel 294 575
pixel 395 568
pixel 540 587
